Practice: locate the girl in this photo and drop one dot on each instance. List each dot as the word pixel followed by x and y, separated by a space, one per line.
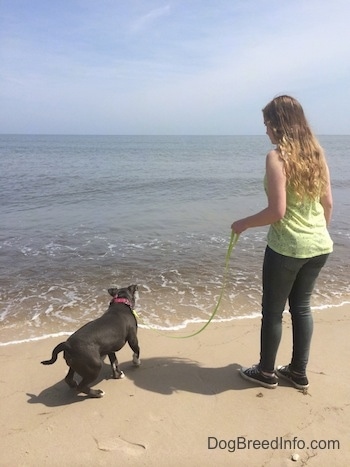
pixel 299 209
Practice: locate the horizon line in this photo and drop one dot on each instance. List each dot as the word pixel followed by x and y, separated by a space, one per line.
pixel 154 134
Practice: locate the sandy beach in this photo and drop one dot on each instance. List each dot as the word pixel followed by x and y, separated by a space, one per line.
pixel 185 405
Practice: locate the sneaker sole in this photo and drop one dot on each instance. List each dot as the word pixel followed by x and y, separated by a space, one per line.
pixel 256 381
pixel 296 385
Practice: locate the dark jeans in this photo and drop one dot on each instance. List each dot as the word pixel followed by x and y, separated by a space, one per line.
pixel 292 279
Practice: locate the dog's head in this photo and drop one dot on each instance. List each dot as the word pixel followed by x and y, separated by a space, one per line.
pixel 128 293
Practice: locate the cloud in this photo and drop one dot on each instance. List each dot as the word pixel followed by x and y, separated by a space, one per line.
pixel 179 67
pixel 147 20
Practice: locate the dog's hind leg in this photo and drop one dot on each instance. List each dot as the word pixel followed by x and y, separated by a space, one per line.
pixel 89 374
pixel 69 379
pixel 116 371
pixel 84 388
pixel 134 345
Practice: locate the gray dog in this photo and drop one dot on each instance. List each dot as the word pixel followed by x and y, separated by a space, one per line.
pixel 85 350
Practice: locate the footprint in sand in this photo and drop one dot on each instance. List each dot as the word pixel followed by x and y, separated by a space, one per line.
pixel 119 444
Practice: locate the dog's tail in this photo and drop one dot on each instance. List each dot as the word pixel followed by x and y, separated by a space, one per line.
pixel 59 348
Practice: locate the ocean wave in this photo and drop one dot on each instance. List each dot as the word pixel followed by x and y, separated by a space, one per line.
pixel 35 339
pixel 166 330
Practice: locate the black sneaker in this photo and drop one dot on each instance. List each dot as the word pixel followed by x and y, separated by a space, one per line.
pixel 254 375
pixel 298 381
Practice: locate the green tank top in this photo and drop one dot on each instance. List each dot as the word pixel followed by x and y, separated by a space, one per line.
pixel 302 233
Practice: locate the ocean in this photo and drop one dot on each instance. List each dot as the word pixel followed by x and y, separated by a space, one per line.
pixel 80 214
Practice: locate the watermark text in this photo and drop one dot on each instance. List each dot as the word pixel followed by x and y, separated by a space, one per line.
pixel 244 443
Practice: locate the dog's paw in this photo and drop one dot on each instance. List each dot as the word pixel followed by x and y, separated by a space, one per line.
pixel 96 393
pixel 120 375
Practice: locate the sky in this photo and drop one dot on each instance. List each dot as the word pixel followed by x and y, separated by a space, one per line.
pixel 171 67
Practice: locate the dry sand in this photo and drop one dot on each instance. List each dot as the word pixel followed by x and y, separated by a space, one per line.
pixel 185 405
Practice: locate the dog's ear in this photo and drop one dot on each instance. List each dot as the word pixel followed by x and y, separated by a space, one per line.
pixel 133 289
pixel 113 291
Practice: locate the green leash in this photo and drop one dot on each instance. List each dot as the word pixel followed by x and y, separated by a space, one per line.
pixel 233 241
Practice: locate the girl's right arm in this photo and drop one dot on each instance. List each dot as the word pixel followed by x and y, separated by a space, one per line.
pixel 327 201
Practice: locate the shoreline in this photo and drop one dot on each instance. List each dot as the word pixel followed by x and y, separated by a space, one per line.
pixel 182 328
pixel 186 403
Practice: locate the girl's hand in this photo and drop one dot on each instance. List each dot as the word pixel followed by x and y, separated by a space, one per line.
pixel 239 226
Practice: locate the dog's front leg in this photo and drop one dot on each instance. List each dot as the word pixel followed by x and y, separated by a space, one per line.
pixel 116 372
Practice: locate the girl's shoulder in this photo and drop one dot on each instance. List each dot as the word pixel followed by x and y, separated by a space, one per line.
pixel 274 154
pixel 274 159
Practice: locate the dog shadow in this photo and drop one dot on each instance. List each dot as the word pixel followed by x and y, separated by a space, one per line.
pixel 168 375
pixel 162 375
pixel 60 394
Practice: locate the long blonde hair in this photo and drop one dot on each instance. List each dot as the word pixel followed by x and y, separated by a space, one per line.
pixel 303 157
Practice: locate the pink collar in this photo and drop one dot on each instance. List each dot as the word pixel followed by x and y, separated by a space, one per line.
pixel 122 300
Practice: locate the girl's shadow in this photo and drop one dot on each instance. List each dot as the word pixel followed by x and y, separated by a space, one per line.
pixel 166 375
